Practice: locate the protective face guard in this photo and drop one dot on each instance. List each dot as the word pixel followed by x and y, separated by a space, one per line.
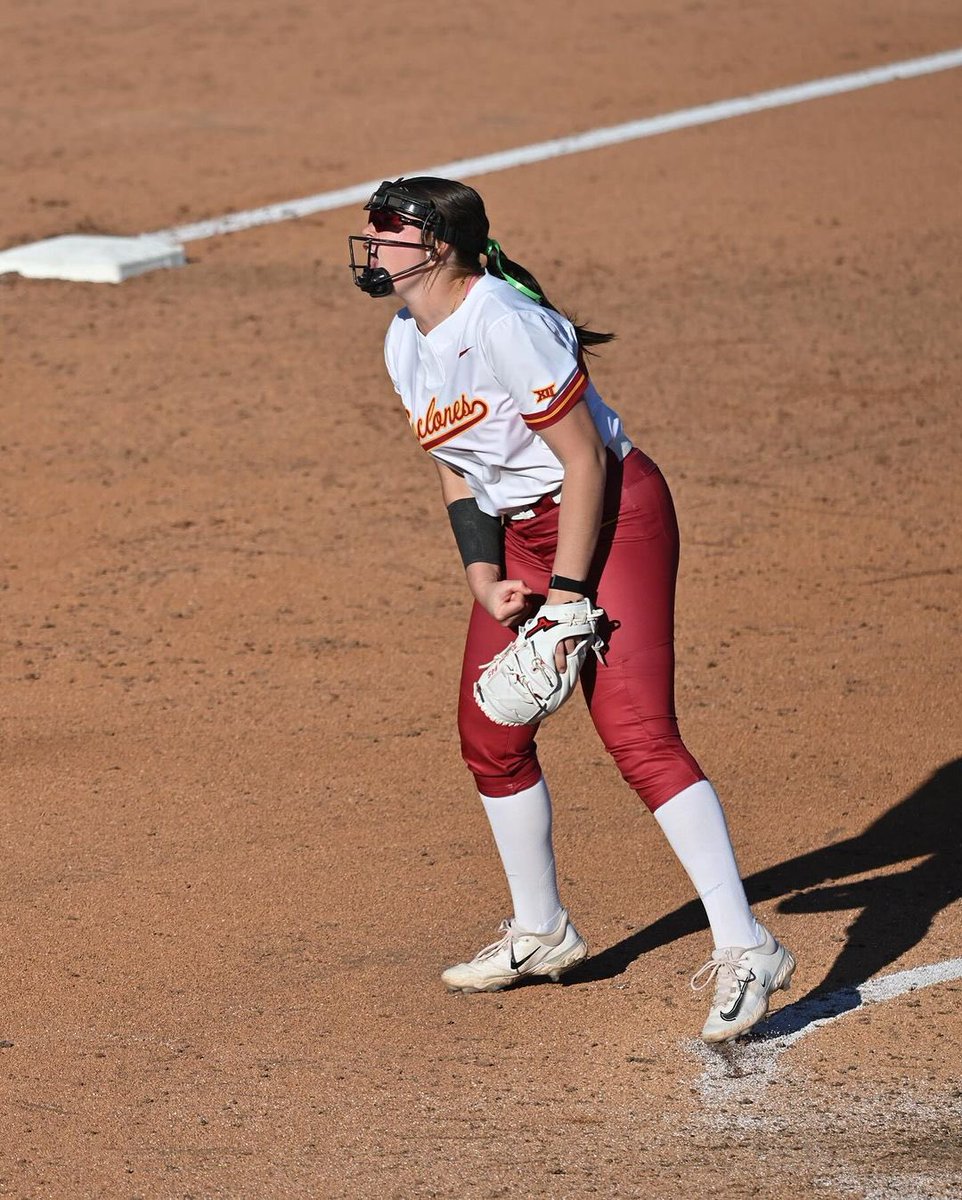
pixel 390 198
pixel 378 281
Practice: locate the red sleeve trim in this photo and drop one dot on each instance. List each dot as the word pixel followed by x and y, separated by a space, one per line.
pixel 563 403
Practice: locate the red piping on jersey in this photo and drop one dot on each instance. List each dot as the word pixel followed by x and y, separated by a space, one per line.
pixel 574 388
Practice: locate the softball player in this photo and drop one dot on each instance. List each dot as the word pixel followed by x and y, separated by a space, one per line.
pixel 550 502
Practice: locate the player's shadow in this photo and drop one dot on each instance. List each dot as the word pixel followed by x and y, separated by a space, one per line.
pixel 893 911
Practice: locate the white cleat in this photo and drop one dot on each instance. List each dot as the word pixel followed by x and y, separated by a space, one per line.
pixel 744 979
pixel 516 956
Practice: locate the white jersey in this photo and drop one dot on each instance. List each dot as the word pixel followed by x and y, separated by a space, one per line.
pixel 481 385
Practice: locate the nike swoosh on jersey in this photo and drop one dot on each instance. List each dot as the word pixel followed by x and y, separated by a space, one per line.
pixel 462 353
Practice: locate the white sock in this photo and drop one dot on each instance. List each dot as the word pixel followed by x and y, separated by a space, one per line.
pixel 521 825
pixel 694 824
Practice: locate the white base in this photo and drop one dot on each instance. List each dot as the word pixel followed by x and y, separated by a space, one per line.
pixel 93 259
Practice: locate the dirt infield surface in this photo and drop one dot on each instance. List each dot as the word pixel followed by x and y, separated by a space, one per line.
pixel 239 843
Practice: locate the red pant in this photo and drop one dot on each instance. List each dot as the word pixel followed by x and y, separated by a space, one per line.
pixel 631 697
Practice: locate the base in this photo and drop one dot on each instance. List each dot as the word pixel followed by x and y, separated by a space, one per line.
pixel 83 259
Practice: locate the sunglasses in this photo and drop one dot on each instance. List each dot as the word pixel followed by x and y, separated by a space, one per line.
pixel 386 220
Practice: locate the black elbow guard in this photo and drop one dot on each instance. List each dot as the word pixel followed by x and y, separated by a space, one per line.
pixel 480 537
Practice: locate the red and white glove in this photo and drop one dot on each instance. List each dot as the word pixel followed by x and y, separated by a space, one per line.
pixel 522 685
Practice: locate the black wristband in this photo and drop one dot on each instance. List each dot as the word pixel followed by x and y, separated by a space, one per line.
pixel 561 584
pixel 479 536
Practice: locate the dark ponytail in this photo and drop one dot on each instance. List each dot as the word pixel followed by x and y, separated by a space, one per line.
pixel 465 226
pixel 502 267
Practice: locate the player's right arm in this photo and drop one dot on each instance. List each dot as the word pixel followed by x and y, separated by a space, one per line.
pixel 479 541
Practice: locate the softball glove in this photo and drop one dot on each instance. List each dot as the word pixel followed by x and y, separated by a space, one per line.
pixel 522 685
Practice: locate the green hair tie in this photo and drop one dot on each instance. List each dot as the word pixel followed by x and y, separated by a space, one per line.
pixel 493 251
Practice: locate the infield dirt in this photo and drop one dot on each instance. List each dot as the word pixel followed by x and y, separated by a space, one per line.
pixel 239 840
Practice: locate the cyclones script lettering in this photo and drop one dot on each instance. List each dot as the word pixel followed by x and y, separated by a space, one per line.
pixel 440 424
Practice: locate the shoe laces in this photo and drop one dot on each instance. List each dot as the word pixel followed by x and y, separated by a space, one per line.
pixel 507 933
pixel 727 974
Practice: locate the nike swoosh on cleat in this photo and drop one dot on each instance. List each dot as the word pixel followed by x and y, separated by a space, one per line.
pixel 733 1011
pixel 517 964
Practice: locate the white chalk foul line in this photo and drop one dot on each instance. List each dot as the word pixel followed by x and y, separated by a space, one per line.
pixel 737 1068
pixel 594 139
pixel 796 1020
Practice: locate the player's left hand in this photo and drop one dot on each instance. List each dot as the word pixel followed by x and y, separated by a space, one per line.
pixel 562 650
